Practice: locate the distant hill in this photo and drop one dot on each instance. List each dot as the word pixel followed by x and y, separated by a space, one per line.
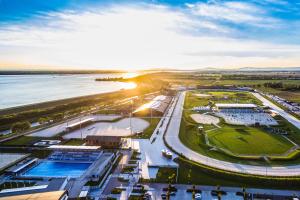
pixel 270 69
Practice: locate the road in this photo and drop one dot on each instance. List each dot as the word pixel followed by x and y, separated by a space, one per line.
pixel 293 120
pixel 172 139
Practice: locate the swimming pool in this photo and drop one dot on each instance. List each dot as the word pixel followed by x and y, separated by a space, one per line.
pixel 57 169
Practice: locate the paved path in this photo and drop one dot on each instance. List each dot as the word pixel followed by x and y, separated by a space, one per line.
pixel 151 149
pixel 293 120
pixel 172 139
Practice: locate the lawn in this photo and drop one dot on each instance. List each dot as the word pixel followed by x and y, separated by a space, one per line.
pixel 74 142
pixel 233 97
pixel 192 100
pixel 150 129
pixel 248 140
pixel 289 95
pixel 166 175
pixel 190 172
pixel 22 141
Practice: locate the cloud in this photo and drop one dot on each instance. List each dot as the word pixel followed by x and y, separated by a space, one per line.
pixel 137 37
pixel 235 12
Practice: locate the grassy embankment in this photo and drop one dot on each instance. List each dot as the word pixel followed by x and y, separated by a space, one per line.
pixel 193 173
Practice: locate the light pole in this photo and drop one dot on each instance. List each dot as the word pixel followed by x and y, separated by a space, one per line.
pixel 80 127
pixel 131 117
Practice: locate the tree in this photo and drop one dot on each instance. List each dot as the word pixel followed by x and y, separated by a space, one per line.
pixel 20 127
pixel 57 117
pixel 43 120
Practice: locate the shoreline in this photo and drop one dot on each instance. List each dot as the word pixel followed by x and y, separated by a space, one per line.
pixel 51 103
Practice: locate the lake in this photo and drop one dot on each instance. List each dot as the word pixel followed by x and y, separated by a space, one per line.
pixel 18 90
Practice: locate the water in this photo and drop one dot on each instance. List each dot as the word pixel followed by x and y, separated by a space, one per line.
pixel 57 169
pixel 18 90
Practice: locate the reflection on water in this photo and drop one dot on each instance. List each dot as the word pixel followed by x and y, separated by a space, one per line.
pixel 17 90
pixel 129 85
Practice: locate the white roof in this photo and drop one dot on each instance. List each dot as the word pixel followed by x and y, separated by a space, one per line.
pixel 18 168
pixel 38 187
pixel 80 122
pixel 72 147
pixel 235 105
pixel 159 103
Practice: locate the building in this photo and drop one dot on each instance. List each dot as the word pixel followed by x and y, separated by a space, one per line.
pixel 79 124
pixel 229 106
pixel 156 106
pixel 56 195
pixel 108 142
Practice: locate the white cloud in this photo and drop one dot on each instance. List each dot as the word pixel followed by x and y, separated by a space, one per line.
pixel 235 12
pixel 136 37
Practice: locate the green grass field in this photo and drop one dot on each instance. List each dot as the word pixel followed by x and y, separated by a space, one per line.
pixel 75 142
pixel 22 141
pixel 193 100
pixel 289 95
pixel 240 140
pixel 248 140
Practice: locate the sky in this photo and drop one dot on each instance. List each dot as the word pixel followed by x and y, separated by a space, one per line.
pixel 135 35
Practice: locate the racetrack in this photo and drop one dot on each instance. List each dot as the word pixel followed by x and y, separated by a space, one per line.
pixel 172 139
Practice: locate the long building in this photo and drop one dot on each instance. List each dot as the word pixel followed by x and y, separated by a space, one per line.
pixel 79 124
pixel 109 142
pixel 220 106
pixel 158 105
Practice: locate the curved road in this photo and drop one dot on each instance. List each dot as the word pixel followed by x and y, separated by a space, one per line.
pixel 172 139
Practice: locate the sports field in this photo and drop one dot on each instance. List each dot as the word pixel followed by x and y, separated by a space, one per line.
pixel 233 142
pixel 248 140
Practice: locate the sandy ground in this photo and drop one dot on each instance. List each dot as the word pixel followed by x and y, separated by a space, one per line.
pixel 9 158
pixel 205 119
pixel 119 128
pixel 202 95
pixel 54 130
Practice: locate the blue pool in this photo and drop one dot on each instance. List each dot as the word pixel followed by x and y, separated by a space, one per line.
pixel 57 169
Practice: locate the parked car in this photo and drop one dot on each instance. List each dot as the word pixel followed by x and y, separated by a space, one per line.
pixel 198 196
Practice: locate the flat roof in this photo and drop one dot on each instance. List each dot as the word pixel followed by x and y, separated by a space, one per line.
pixel 17 168
pixel 72 147
pixel 80 122
pixel 159 103
pixel 56 195
pixel 38 187
pixel 236 105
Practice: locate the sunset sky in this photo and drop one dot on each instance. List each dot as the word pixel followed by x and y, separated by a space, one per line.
pixel 133 35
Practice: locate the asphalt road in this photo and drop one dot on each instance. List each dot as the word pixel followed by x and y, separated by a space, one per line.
pixel 293 120
pixel 172 139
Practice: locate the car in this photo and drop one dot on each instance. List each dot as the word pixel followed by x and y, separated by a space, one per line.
pixel 163 196
pixel 147 195
pixel 139 185
pixel 198 196
pixel 172 193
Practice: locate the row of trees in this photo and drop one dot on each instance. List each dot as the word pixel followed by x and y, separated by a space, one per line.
pixel 20 127
pixel 23 126
pixel 282 86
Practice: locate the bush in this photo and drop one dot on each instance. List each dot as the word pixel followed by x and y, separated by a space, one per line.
pixel 116 191
pixel 20 127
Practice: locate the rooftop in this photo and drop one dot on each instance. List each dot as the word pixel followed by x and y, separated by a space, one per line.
pixel 80 122
pixel 56 195
pixel 72 147
pixel 159 103
pixel 235 105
